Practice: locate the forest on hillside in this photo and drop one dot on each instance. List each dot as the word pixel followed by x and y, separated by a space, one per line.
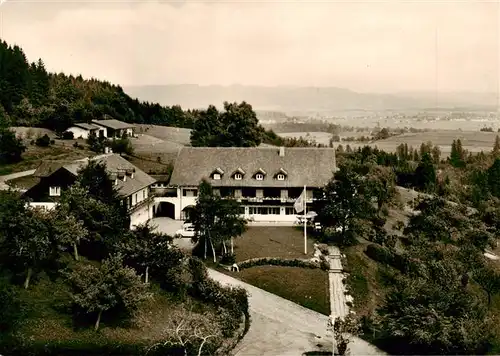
pixel 30 96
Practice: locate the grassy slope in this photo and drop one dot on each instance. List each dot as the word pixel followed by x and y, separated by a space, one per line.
pixel 48 304
pixel 34 155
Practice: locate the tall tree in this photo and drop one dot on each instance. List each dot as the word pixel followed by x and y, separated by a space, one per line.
pixel 425 174
pixel 496 147
pixel 208 129
pixel 236 126
pixel 493 176
pixel 457 155
pixel 215 220
pixel 348 205
pixel 489 280
pixel 11 147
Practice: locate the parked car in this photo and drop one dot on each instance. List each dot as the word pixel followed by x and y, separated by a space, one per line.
pixel 186 231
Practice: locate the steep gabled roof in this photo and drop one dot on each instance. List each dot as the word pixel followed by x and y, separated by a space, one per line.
pixel 218 170
pixel 86 126
pixel 116 165
pixel 313 167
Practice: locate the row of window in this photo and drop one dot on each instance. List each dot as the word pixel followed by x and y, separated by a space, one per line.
pixel 239 176
pixel 271 210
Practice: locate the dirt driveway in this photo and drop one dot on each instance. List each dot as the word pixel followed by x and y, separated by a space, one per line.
pixel 280 327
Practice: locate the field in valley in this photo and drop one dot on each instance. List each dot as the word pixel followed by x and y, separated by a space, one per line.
pixel 474 141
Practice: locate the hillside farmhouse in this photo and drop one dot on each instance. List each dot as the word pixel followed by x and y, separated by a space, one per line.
pixel 266 181
pixel 114 128
pixel 132 184
pixel 84 130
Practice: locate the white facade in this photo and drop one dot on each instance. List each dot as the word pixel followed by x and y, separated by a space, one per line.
pixel 261 209
pixel 44 206
pixel 140 212
pixel 141 215
pixel 79 132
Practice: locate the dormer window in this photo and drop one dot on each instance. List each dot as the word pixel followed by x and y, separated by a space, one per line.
pixel 217 174
pixel 281 174
pixel 238 174
pixel 260 174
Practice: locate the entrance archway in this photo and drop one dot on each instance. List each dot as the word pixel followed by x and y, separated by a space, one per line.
pixel 165 209
pixel 186 213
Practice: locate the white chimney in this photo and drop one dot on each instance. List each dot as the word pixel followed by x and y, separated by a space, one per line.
pixel 282 151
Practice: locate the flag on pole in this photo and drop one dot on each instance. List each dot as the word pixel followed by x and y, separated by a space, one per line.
pixel 300 202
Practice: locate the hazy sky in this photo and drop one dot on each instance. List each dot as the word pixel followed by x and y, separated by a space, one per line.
pixel 379 46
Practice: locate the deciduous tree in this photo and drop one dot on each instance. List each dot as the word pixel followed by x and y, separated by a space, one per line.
pixel 100 289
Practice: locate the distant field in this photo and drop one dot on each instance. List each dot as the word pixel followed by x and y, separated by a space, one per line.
pixel 319 137
pixel 474 141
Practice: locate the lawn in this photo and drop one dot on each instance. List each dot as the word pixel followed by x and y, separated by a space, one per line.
pixel 305 286
pixel 271 241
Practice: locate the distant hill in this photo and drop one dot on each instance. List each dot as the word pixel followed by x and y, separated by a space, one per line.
pixel 295 99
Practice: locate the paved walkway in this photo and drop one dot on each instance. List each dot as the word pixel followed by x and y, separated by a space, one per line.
pixel 5 178
pixel 281 327
pixel 338 301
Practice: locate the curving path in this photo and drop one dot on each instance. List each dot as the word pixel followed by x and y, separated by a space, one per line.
pixel 281 327
pixel 5 178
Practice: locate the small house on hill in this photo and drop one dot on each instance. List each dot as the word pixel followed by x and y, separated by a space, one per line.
pixel 114 128
pixel 84 130
pixel 133 185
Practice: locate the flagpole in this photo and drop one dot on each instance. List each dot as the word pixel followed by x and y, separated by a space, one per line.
pixel 305 221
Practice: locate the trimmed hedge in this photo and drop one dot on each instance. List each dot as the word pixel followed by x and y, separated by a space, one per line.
pixel 384 255
pixel 273 261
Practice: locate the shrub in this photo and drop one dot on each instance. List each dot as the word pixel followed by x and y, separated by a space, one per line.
pixel 228 259
pixel 76 145
pixel 380 254
pixel 67 135
pixel 43 141
pixel 52 142
pixel 233 299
